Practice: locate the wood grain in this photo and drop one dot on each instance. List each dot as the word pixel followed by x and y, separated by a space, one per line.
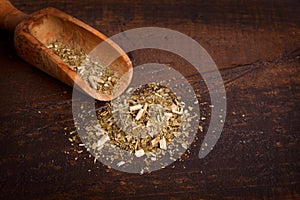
pixel 256 45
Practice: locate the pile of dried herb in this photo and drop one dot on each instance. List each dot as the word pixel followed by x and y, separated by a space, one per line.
pixel 141 130
pixel 97 76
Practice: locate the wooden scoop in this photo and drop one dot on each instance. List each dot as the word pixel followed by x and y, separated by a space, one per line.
pixel 33 32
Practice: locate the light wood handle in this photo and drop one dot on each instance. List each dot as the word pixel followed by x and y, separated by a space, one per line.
pixel 10 17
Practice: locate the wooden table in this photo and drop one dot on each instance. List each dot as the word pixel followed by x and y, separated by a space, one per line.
pixel 256 45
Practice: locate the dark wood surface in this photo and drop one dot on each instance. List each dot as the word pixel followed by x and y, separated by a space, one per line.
pixel 256 45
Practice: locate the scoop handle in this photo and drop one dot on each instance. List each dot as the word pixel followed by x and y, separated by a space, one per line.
pixel 10 17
